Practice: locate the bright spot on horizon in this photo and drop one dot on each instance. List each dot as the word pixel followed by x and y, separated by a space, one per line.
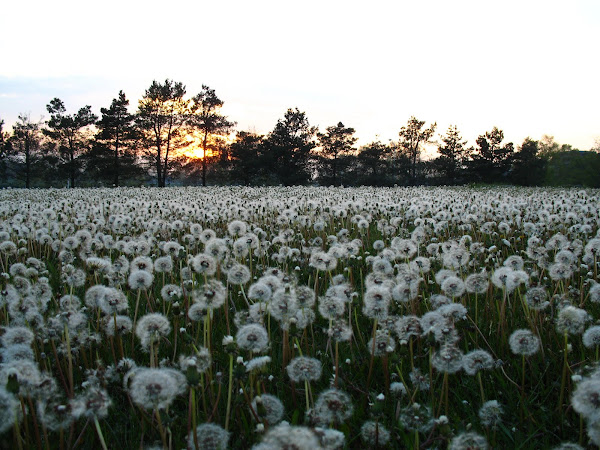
pixel 529 68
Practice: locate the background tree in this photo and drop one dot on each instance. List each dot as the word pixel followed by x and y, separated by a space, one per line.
pixel 490 161
pixel 288 149
pixel 245 156
pixel 206 118
pixel 453 155
pixel 412 137
pixel 26 144
pixel 70 132
pixel 528 169
pixel 373 164
pixel 337 141
pixel 114 153
pixel 161 117
pixel 4 150
pixel 548 147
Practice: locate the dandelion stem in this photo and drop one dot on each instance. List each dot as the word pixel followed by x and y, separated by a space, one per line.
pixel 229 389
pixel 161 429
pixel 137 305
pixel 100 435
pixel 70 361
pixel 194 418
pixel 564 373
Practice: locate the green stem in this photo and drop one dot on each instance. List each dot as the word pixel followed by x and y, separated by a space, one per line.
pixel 100 435
pixel 229 392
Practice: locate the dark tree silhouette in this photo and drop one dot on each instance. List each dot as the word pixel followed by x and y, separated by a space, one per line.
pixel 337 141
pixel 161 116
pixel 26 144
pixel 528 169
pixel 4 150
pixel 288 149
pixel 490 161
pixel 116 141
pixel 453 155
pixel 206 118
pixel 245 155
pixel 71 133
pixel 373 164
pixel 412 137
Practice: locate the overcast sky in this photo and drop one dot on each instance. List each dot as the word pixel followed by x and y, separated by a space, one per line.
pixel 528 67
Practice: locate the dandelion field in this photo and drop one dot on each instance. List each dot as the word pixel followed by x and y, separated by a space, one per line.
pixel 300 318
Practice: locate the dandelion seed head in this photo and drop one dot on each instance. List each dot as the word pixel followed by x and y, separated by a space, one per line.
pixel 140 279
pixel 304 368
pixel 268 408
pixel 209 436
pixel 448 359
pixel 572 320
pixel 490 413
pixel 468 441
pixel 252 337
pixel 586 399
pixel 156 388
pixel 524 342
pixel 151 328
pixel 477 360
pixel 286 436
pixel 374 432
pixel 332 406
pixel 537 298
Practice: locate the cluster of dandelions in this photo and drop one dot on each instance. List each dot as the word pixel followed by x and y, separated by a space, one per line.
pixel 295 317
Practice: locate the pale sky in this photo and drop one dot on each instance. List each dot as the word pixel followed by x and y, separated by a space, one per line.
pixel 528 67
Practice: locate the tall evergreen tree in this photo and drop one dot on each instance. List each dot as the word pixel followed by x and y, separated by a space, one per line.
pixel 490 161
pixel 453 154
pixel 245 155
pixel 206 118
pixel 288 148
pixel 337 141
pixel 4 150
pixel 116 141
pixel 373 164
pixel 528 168
pixel 412 137
pixel 161 116
pixel 26 145
pixel 71 133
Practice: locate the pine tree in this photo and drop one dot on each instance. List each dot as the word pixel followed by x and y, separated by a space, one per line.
pixel 71 133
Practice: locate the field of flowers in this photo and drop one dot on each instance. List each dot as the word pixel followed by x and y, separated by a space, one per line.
pixel 299 318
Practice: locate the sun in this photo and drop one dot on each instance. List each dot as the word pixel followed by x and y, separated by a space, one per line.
pixel 193 147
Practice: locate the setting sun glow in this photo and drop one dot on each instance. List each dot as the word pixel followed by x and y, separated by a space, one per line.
pixel 193 149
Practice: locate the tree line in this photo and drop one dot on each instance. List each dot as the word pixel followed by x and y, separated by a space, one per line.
pixel 174 140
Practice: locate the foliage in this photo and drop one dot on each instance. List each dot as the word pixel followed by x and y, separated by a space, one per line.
pixel 245 157
pixel 205 117
pixel 288 149
pixel 490 161
pixel 161 116
pixel 573 168
pixel 453 156
pixel 412 137
pixel 337 141
pixel 70 133
pixel 113 157
pixel 528 169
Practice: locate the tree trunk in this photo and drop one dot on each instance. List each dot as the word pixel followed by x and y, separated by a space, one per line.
pixel 27 163
pixel 204 158
pixel 116 161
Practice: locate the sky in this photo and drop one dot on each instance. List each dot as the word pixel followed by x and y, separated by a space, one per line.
pixel 528 67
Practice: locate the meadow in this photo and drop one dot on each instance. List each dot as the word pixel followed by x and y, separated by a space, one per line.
pixel 300 318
